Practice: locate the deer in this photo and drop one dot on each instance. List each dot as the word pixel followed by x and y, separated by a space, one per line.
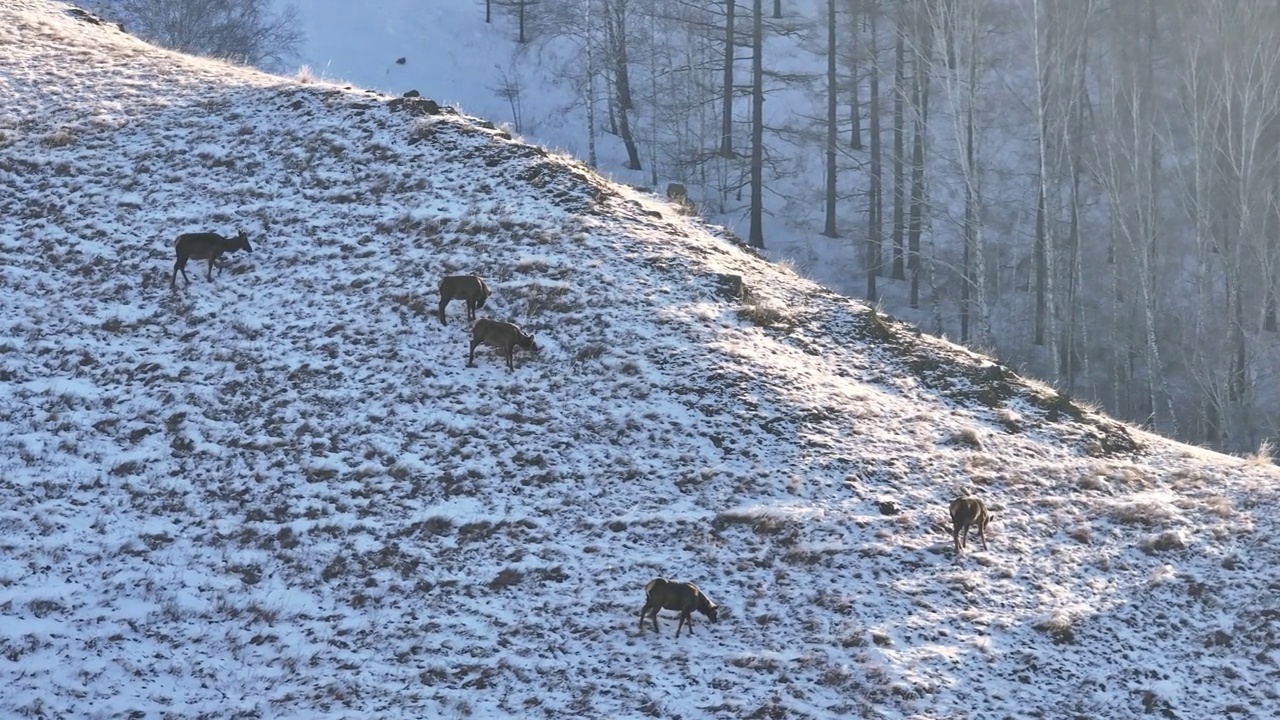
pixel 680 195
pixel 204 246
pixel 467 287
pixel 967 512
pixel 501 335
pixel 665 594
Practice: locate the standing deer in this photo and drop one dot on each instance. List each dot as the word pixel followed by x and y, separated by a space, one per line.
pixel 467 287
pixel 966 512
pixel 664 594
pixel 204 246
pixel 502 335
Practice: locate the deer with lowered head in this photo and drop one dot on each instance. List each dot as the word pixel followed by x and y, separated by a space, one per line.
pixel 664 594
pixel 204 246
pixel 470 288
pixel 501 335
pixel 968 512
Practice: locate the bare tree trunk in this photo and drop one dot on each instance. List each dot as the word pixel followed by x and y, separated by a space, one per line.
pixel 899 174
pixel 1270 259
pixel 833 91
pixel 625 103
pixel 590 88
pixel 1041 245
pixel 777 9
pixel 966 268
pixel 920 101
pixel 726 120
pixel 616 30
pixel 1075 269
pixel 653 115
pixel 855 108
pixel 757 126
pixel 875 230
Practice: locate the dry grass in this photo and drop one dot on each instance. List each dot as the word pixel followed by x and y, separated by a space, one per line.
pixel 1059 626
pixel 968 437
pixel 590 351
pixel 764 312
pixel 411 302
pixel 1163 542
pixel 1264 455
pixel 61 137
pixel 1147 512
pixel 548 299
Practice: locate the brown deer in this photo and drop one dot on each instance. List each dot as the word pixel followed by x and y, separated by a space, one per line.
pixel 664 594
pixel 966 512
pixel 502 335
pixel 204 246
pixel 467 287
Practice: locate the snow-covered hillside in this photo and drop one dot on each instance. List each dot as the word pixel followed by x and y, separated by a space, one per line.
pixel 282 494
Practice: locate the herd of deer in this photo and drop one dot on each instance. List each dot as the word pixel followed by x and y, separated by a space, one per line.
pixel 501 335
pixel 660 593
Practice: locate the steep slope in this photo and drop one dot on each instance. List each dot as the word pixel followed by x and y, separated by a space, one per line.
pixel 282 493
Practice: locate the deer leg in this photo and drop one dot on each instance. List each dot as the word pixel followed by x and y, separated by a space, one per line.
pixel 471 359
pixel 471 309
pixel 982 533
pixel 510 366
pixel 684 620
pixel 643 610
pixel 444 300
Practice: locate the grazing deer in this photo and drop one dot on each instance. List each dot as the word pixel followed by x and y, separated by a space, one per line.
pixel 467 287
pixel 502 335
pixel 204 246
pixel 966 512
pixel 680 195
pixel 664 594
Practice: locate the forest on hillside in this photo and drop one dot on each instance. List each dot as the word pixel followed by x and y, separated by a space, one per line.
pixel 1089 189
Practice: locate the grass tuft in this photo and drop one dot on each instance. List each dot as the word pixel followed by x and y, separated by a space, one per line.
pixel 763 312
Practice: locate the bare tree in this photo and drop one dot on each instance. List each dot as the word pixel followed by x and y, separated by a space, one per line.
pixel 726 99
pixel 899 160
pixel 1127 154
pixel 756 238
pixel 875 181
pixel 854 48
pixel 616 28
pixel 242 31
pixel 922 58
pixel 833 91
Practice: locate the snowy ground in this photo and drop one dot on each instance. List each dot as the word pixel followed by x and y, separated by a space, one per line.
pixel 281 493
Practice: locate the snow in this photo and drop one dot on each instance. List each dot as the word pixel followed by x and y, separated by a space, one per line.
pixel 281 493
